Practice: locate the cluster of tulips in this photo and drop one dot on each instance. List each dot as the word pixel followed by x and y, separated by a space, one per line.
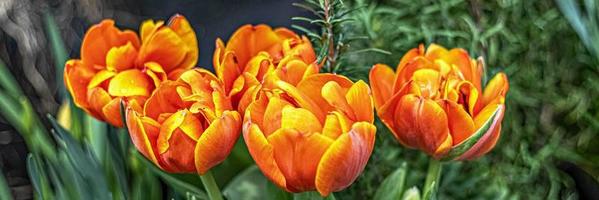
pixel 305 130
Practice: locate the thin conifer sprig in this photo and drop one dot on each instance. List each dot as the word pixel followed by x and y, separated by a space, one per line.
pixel 332 41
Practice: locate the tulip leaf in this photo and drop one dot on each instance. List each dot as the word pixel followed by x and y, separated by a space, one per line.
pixel 467 144
pixel 179 185
pixel 4 189
pixel 392 186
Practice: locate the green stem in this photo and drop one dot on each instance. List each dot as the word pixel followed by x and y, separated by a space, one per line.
pixel 211 187
pixel 432 179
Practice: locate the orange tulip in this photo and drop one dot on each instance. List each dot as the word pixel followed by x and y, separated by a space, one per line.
pixel 115 65
pixel 186 125
pixel 317 135
pixel 434 102
pixel 252 52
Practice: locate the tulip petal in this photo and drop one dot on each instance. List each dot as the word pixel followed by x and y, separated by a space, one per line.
pixel 428 81
pixel 405 74
pixel 302 99
pixel 143 134
pixel 487 133
pixel 100 77
pixel 312 86
pixel 112 112
pixel 421 123
pixel 335 96
pixel 97 99
pixel 299 119
pixel 498 86
pixel 297 154
pixel 121 57
pixel 76 77
pixel 381 80
pixel 165 99
pixel 262 152
pixel 181 26
pixel 131 82
pixel 345 159
pixel 359 99
pixel 461 125
pixel 332 127
pixel 273 115
pixel 176 139
pixel 217 141
pixel 165 47
pixel 100 38
pixel 155 72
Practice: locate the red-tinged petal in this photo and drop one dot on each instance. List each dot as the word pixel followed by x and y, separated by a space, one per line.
pixel 100 78
pixel 345 159
pixel 360 100
pixel 273 115
pixel 97 99
pixel 121 57
pixel 335 96
pixel 421 123
pixel 165 99
pixel 112 112
pixel 302 99
pixel 410 55
pixel 176 145
pixel 498 86
pixel 405 73
pixel 461 59
pixel 312 85
pixel 165 47
pixel 461 125
pixel 469 97
pixel 489 139
pixel 100 38
pixel 297 154
pixel 181 26
pixel 217 141
pixel 381 80
pixel 76 78
pixel 387 111
pixel 130 83
pixel 262 152
pixel 144 134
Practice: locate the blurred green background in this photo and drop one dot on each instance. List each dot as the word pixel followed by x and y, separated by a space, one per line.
pixel 549 148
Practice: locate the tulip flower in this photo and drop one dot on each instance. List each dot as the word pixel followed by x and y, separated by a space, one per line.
pixel 317 135
pixel 116 65
pixel 434 102
pixel 252 52
pixel 186 125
